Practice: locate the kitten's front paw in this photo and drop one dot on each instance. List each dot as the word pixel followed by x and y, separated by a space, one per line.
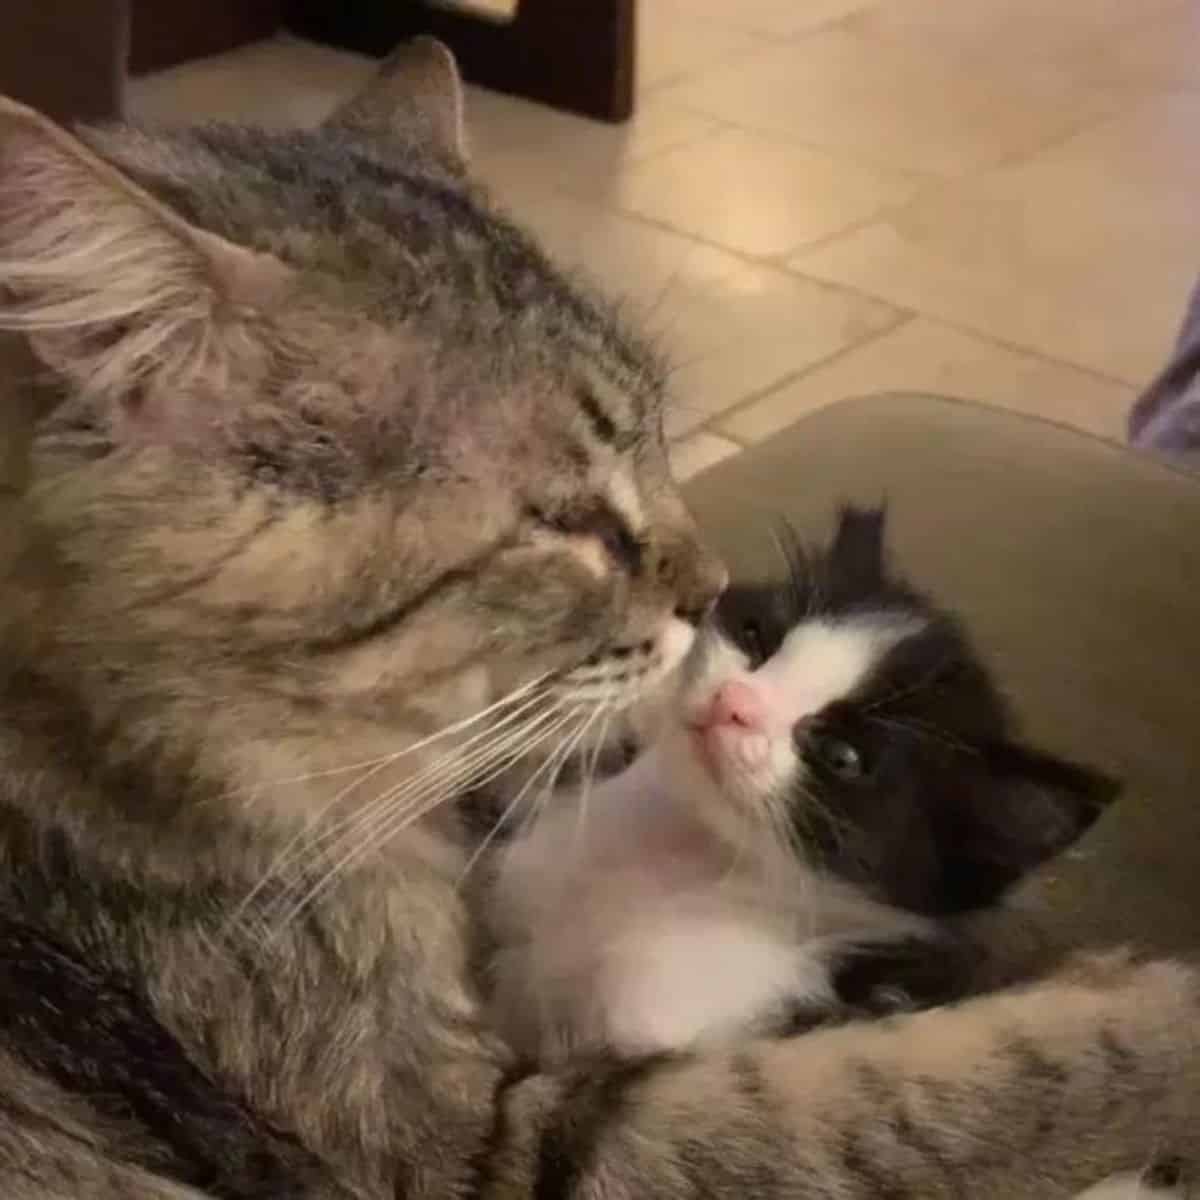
pixel 889 1000
pixel 892 976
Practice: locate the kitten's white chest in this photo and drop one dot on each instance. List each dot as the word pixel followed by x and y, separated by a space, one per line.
pixel 701 976
pixel 637 932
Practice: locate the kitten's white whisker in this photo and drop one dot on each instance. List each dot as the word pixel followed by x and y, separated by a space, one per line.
pixel 925 729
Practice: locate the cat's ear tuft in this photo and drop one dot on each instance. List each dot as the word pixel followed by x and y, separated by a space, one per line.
pixel 1028 808
pixel 857 551
pixel 416 91
pixel 111 287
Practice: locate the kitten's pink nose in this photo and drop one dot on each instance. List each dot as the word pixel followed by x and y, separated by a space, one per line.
pixel 737 703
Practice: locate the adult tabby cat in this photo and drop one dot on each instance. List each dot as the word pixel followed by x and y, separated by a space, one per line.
pixel 331 460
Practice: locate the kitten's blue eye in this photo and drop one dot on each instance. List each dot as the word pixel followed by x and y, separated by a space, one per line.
pixel 836 756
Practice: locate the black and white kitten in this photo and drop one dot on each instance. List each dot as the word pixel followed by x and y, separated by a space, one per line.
pixel 835 777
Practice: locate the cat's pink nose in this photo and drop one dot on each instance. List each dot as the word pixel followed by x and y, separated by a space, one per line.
pixel 739 704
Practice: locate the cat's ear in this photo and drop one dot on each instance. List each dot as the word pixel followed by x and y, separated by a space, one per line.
pixel 1026 808
pixel 112 289
pixel 417 91
pixel 857 548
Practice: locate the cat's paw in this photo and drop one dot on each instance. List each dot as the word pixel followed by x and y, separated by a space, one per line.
pixel 1100 969
pixel 1123 970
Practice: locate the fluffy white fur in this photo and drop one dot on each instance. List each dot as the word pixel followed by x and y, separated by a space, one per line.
pixel 666 906
pixel 1132 1187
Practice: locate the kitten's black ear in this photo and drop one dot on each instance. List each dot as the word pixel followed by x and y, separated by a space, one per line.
pixel 1026 808
pixel 416 91
pixel 857 548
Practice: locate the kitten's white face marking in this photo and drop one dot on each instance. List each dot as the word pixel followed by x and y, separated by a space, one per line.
pixel 740 721
pixel 821 662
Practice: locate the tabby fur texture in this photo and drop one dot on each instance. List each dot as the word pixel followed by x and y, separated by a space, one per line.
pixel 339 497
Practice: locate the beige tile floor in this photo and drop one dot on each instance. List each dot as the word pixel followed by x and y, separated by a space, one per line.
pixel 998 199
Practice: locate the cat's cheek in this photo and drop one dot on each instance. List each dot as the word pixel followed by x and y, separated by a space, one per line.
pixel 382 665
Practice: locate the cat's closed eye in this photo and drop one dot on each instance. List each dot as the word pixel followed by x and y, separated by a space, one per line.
pixel 593 518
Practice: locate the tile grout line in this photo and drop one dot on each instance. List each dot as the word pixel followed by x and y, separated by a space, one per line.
pixel 747 260
pixel 759 45
pixel 786 139
pixel 1056 141
pixel 903 318
pixel 845 23
pixel 1033 352
pixel 983 335
pixel 887 213
pixel 904 313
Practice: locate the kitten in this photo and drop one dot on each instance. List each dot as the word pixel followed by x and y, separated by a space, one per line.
pixel 835 780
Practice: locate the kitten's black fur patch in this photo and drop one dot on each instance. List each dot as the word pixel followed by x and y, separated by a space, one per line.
pixel 897 974
pixel 949 811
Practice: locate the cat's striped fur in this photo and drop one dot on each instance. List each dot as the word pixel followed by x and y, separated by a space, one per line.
pixel 341 500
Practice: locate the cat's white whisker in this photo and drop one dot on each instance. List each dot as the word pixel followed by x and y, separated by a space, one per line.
pixel 555 759
pixel 553 766
pixel 461 762
pixel 399 817
pixel 517 743
pixel 314 834
pixel 588 774
pixel 393 756
pixel 458 769
pixel 305 840
pixel 514 804
pixel 445 773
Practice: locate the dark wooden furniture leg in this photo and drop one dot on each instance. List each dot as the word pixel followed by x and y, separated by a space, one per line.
pixel 66 57
pixel 166 32
pixel 572 54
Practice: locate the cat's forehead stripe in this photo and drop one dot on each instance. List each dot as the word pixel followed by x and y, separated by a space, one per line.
pixel 609 406
pixel 823 661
